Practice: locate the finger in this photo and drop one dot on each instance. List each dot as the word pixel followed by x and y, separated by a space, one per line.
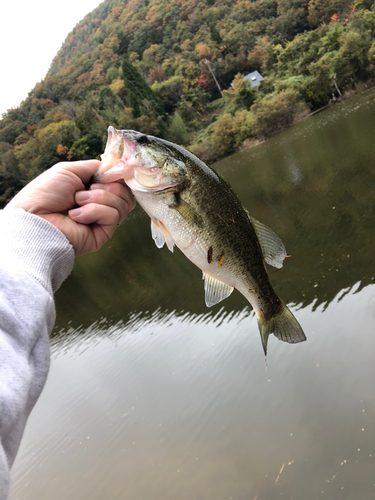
pixel 95 213
pixel 84 169
pixel 119 189
pixel 122 201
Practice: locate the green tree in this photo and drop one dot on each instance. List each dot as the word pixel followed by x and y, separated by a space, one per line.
pixel 138 90
pixel 351 62
pixel 276 112
pixel 10 130
pixel 177 131
pixel 105 97
pixel 321 11
pixel 292 17
pixel 230 131
pixel 169 92
pixel 10 177
pixel 42 150
pixel 241 94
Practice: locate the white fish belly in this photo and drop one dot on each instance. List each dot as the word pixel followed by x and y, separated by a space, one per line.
pixel 187 237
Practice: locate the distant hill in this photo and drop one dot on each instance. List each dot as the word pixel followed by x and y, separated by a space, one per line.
pixel 142 64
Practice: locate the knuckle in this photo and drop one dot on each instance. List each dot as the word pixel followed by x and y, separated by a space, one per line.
pixel 99 195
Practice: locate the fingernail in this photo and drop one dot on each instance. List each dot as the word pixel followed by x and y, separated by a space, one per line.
pixel 82 196
pixel 75 212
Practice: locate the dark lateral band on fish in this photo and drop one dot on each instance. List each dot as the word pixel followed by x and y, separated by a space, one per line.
pixel 193 207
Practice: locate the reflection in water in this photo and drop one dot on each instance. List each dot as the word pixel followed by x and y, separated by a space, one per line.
pixel 296 176
pixel 182 407
pixel 152 395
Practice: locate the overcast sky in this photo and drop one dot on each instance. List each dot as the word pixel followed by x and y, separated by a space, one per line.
pixel 31 33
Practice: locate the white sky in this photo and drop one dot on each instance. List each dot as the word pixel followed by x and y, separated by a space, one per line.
pixel 31 33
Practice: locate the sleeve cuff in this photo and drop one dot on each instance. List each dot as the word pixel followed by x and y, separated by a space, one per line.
pixel 36 245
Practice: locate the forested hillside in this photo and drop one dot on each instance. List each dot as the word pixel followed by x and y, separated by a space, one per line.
pixel 142 64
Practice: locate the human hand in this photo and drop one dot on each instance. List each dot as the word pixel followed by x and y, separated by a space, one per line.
pixel 55 194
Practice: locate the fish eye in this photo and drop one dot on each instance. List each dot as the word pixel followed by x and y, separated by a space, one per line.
pixel 142 139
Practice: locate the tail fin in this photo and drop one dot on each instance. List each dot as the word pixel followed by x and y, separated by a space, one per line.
pixel 283 325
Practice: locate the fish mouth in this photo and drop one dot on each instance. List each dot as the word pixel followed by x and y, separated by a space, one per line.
pixel 121 161
pixel 118 159
pixel 159 188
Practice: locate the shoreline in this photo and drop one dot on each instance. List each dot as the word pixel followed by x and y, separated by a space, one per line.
pixel 252 143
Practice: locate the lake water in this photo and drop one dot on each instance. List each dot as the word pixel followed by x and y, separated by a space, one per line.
pixel 153 396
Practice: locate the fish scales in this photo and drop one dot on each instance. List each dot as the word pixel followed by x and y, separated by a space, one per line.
pixel 228 230
pixel 193 207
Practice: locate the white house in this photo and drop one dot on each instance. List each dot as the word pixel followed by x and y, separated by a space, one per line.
pixel 254 78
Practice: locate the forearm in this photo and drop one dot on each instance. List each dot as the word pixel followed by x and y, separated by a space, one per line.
pixel 35 258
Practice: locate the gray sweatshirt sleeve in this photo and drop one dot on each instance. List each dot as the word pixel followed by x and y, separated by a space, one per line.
pixel 35 258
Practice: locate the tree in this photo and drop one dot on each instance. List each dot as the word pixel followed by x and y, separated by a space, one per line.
pixel 321 11
pixel 169 92
pixel 240 94
pixel 351 61
pixel 11 130
pixel 292 17
pixel 228 132
pixel 177 131
pixel 10 177
pixel 138 90
pixel 157 74
pixel 276 112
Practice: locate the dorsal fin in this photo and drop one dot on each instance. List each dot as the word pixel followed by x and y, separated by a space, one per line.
pixel 272 247
pixel 215 290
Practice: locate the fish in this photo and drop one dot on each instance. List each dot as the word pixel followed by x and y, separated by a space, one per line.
pixel 193 208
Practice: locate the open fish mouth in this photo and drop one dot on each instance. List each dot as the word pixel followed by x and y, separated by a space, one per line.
pixel 118 159
pixel 130 156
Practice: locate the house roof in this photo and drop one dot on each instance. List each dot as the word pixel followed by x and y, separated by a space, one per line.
pixel 254 78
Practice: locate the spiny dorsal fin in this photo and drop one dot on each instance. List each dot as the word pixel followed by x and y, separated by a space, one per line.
pixel 215 290
pixel 273 249
pixel 161 235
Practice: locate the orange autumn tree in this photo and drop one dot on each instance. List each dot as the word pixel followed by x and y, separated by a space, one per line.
pixel 321 11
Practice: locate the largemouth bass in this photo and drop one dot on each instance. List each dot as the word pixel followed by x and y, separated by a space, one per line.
pixel 193 207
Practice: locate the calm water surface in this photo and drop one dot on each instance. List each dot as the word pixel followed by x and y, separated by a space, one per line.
pixel 153 396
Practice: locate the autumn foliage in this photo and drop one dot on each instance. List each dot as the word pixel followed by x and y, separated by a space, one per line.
pixel 142 64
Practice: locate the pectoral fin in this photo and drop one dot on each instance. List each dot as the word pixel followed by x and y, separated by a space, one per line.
pixel 187 212
pixel 273 249
pixel 157 235
pixel 161 235
pixel 215 290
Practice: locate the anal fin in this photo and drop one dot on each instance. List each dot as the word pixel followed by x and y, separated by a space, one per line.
pixel 215 290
